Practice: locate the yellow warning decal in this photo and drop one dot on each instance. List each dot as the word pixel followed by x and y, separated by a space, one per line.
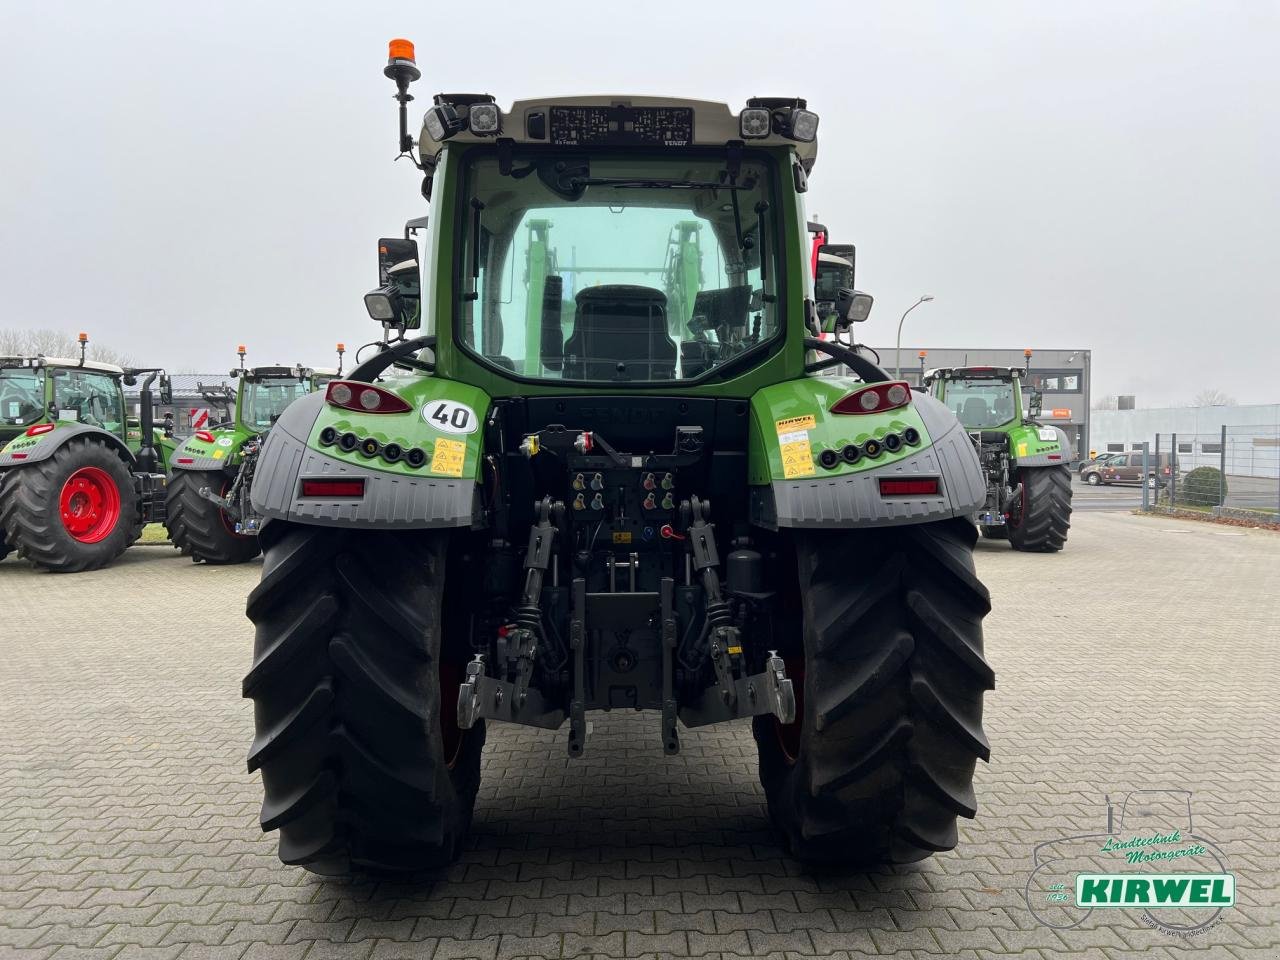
pixel 219 454
pixel 622 536
pixel 797 458
pixel 734 651
pixel 448 457
pixel 1022 449
pixel 807 422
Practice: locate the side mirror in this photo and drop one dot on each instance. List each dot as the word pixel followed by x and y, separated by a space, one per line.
pixel 166 389
pixel 397 302
pixel 130 380
pixel 852 306
pixel 1035 403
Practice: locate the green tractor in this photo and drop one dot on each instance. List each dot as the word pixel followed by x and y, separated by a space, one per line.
pixel 593 468
pixel 79 478
pixel 1027 465
pixel 209 515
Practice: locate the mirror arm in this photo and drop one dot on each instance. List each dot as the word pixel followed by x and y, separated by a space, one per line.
pixel 867 371
pixel 371 368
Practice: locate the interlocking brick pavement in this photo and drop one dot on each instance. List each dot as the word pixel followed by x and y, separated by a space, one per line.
pixel 1144 656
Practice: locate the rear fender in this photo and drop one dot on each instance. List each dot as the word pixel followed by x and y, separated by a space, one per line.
pixel 22 450
pixel 792 425
pixel 1032 445
pixel 444 421
pixel 221 453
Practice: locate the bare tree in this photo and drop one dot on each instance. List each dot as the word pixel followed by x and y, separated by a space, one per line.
pixel 55 343
pixel 1212 398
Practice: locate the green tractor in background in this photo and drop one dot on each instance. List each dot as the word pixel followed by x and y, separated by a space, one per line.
pixel 209 514
pixel 608 477
pixel 1027 465
pixel 79 478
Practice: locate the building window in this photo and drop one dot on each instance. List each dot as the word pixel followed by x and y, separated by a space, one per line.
pixel 1115 448
pixel 1184 447
pixel 1211 448
pixel 1055 381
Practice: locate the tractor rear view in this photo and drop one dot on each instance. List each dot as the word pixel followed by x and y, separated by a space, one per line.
pixel 78 481
pixel 611 479
pixel 1026 464
pixel 210 517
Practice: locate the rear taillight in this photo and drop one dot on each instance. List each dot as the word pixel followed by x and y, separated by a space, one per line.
pixel 186 460
pixel 875 398
pixel 37 429
pixel 335 489
pixel 923 487
pixel 363 398
pixel 204 436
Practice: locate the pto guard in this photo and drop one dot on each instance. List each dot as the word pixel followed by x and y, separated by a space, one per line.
pixel 392 499
pixel 848 496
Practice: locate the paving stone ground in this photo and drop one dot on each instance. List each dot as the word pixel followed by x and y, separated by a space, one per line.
pixel 1144 657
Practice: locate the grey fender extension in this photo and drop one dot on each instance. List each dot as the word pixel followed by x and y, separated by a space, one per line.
pixel 854 500
pixel 390 501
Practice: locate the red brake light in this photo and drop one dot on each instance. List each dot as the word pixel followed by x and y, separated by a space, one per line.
pixel 334 489
pixel 874 398
pixel 926 487
pixel 186 460
pixel 37 429
pixel 204 435
pixel 18 456
pixel 363 398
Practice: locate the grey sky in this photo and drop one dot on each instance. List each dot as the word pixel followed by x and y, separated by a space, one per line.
pixel 178 178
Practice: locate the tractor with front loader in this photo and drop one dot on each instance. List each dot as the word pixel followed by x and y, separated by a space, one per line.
pixel 209 515
pixel 78 479
pixel 1026 464
pixel 592 468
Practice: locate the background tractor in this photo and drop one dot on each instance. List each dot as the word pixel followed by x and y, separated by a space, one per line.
pixel 209 514
pixel 608 478
pixel 78 478
pixel 1027 465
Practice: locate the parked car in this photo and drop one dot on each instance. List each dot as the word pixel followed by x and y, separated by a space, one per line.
pixel 1094 461
pixel 1127 468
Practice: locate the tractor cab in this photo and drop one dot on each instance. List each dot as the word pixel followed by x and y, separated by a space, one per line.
pixel 322 376
pixel 265 392
pixel 984 398
pixel 48 390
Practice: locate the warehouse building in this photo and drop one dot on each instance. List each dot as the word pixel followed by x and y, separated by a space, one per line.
pixel 1062 376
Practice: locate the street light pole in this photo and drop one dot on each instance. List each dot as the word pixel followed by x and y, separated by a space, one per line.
pixel 897 358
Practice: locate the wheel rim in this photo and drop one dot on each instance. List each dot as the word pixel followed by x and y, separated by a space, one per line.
pixel 89 505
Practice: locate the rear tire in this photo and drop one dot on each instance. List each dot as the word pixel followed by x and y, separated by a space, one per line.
pixel 362 763
pixel 37 503
pixel 200 528
pixel 890 723
pixel 1041 525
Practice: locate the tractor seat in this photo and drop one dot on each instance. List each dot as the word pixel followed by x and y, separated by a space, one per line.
pixel 620 332
pixel 975 412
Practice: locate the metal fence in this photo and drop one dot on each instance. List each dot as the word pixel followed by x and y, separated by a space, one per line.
pixel 1236 468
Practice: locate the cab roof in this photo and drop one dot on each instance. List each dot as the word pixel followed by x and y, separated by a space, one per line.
pixel 530 122
pixel 975 373
pixel 42 361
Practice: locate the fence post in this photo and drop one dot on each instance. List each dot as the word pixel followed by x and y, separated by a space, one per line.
pixel 1146 472
pixel 1173 470
pixel 1222 468
pixel 1156 498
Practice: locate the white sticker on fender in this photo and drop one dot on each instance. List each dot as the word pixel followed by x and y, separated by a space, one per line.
pixel 1048 433
pixel 450 417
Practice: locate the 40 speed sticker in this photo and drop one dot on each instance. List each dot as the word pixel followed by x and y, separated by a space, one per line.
pixel 450 417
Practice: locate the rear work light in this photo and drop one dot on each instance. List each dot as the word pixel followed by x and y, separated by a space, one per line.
pixel 204 436
pixel 875 398
pixel 37 429
pixel 363 398
pixel 342 488
pixel 923 487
